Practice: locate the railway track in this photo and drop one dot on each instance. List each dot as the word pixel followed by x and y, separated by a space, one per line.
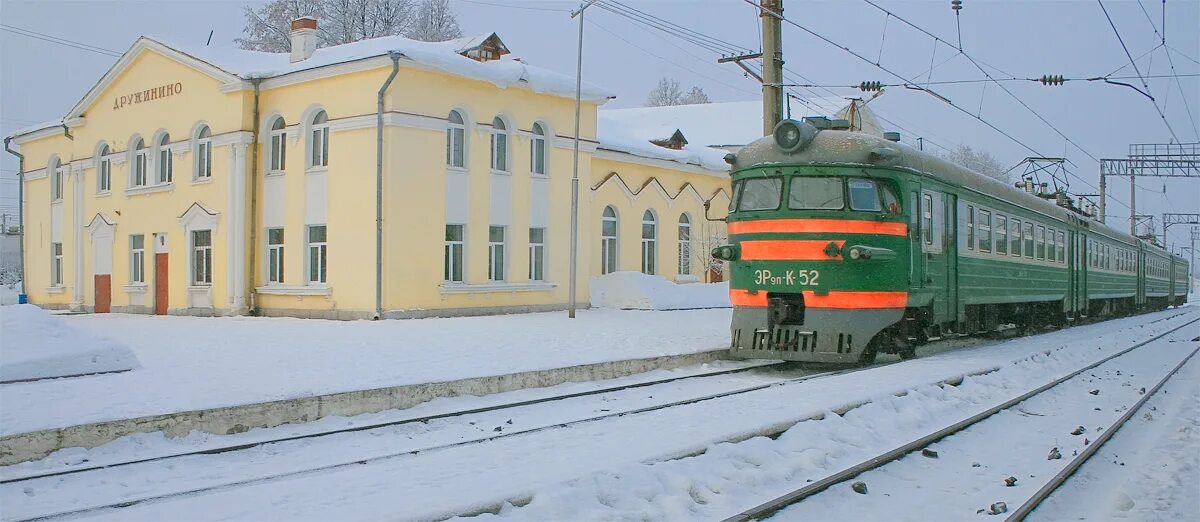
pixel 770 507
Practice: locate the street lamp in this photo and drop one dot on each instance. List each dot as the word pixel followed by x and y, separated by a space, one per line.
pixel 575 169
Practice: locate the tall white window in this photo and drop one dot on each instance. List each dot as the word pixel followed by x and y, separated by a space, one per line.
pixel 649 241
pixel 495 253
pixel 499 145
pixel 201 257
pixel 56 264
pixel 453 260
pixel 318 253
pixel 137 259
pixel 56 182
pixel 204 153
pixel 164 166
pixel 537 150
pixel 970 227
pixel 685 245
pixel 537 254
pixel 320 140
pixel 608 241
pixel 456 135
pixel 103 170
pixel 985 230
pixel 278 145
pixel 141 156
pixel 275 255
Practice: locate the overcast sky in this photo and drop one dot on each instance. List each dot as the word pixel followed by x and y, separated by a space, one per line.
pixel 41 81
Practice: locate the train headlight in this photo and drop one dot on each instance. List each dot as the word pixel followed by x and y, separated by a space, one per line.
pixel 726 253
pixel 857 253
pixel 787 135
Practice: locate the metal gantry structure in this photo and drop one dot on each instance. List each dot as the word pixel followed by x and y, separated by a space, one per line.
pixel 1161 160
pixel 1176 218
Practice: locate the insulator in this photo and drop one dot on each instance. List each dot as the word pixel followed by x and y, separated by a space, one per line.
pixel 956 5
pixel 1052 79
pixel 870 86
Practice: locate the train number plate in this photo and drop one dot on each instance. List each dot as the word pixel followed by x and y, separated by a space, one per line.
pixel 788 277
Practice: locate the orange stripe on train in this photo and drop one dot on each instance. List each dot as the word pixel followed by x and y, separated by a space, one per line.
pixel 787 250
pixel 834 299
pixel 844 226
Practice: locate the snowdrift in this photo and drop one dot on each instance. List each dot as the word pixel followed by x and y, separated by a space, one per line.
pixel 638 291
pixel 37 345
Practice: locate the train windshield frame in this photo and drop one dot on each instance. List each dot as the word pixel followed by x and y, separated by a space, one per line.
pixel 759 193
pixel 816 193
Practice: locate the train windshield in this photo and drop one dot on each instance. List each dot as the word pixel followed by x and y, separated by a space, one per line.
pixel 808 193
pixel 759 193
pixel 868 195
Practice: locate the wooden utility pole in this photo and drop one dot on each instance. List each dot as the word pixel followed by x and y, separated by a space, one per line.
pixel 771 12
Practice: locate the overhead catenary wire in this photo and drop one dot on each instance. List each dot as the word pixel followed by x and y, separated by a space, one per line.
pixel 61 41
pixel 1014 79
pixel 1136 70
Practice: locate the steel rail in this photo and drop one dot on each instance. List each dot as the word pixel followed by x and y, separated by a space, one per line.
pixel 771 506
pixel 365 427
pixel 1061 477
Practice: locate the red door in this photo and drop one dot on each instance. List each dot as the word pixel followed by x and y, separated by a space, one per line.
pixel 103 293
pixel 160 284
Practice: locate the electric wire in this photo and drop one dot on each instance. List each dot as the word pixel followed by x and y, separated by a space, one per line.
pixel 1135 69
pixel 680 27
pixel 61 41
pixel 513 6
pixel 1015 79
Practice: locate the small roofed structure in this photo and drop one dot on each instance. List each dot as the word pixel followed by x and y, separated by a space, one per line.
pixel 676 141
pixel 481 48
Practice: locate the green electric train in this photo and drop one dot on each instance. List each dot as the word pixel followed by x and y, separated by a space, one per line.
pixel 843 245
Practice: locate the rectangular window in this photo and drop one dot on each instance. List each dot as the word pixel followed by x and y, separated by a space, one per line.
pixel 1040 242
pixel 1016 237
pixel 495 253
pixel 137 259
pixel 139 168
pixel 864 195
pixel 537 254
pixel 320 146
pixel 454 146
pixel 808 193
pixel 453 259
pixel 608 244
pixel 104 175
pixel 165 165
pixel 201 257
pixel 275 255
pixel 538 155
pixel 499 150
pixel 318 253
pixel 279 150
pixel 56 264
pixel 970 227
pixel 927 219
pixel 204 159
pixel 1029 240
pixel 985 230
pixel 685 248
pixel 1001 234
pixel 759 194
pixel 56 185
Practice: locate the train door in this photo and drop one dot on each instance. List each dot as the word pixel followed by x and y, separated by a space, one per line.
pixel 933 246
pixel 949 233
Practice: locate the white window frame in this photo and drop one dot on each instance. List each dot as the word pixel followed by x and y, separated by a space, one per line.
pixel 538 151
pixel 103 169
pixel 1029 242
pixel 137 260
pixel 985 230
pixel 1039 242
pixel 139 164
pixel 164 164
pixel 537 255
pixel 317 260
pixel 203 166
pixel 970 227
pixel 201 260
pixel 1000 235
pixel 685 244
pixel 275 252
pixel 497 262
pixel 650 244
pixel 56 264
pixel 277 150
pixel 609 244
pixel 456 134
pixel 57 180
pixel 454 249
pixel 1017 238
pixel 500 155
pixel 319 141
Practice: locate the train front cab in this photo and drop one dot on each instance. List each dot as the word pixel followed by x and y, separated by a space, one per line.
pixel 820 261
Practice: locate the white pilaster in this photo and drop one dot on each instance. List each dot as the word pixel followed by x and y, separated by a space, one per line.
pixel 236 229
pixel 77 235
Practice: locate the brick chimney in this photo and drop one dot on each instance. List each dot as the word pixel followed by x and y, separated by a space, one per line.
pixel 304 38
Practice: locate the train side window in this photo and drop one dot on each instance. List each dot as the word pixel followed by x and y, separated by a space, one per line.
pixel 760 194
pixel 1016 238
pixel 1029 239
pixel 1040 241
pixel 809 193
pixel 863 195
pixel 891 202
pixel 1001 234
pixel 927 219
pixel 985 230
pixel 970 227
pixel 1062 246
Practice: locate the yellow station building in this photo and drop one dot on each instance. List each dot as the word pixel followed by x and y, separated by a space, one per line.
pixel 382 178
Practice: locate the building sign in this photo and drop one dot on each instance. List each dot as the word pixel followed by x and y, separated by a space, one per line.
pixel 150 94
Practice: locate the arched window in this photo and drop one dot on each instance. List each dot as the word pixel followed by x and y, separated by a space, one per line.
pixel 278 145
pixel 537 150
pixel 320 140
pixel 54 169
pixel 499 145
pixel 608 241
pixel 164 166
pixel 203 153
pixel 103 169
pixel 456 135
pixel 649 240
pixel 685 245
pixel 141 156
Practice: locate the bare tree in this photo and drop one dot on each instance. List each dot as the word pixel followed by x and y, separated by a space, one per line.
pixel 694 96
pixel 436 22
pixel 343 21
pixel 666 93
pixel 977 160
pixel 706 236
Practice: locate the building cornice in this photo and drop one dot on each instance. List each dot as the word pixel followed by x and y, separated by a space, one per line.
pixel 616 155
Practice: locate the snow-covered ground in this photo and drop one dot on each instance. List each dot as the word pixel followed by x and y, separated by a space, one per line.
pixel 9 293
pixel 191 363
pixel 638 291
pixel 36 345
pixel 620 467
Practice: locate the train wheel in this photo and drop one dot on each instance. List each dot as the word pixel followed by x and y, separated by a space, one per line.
pixel 908 352
pixel 868 354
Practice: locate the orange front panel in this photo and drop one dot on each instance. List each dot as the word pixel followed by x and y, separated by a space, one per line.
pixel 839 299
pixel 788 250
pixel 744 298
pixel 841 226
